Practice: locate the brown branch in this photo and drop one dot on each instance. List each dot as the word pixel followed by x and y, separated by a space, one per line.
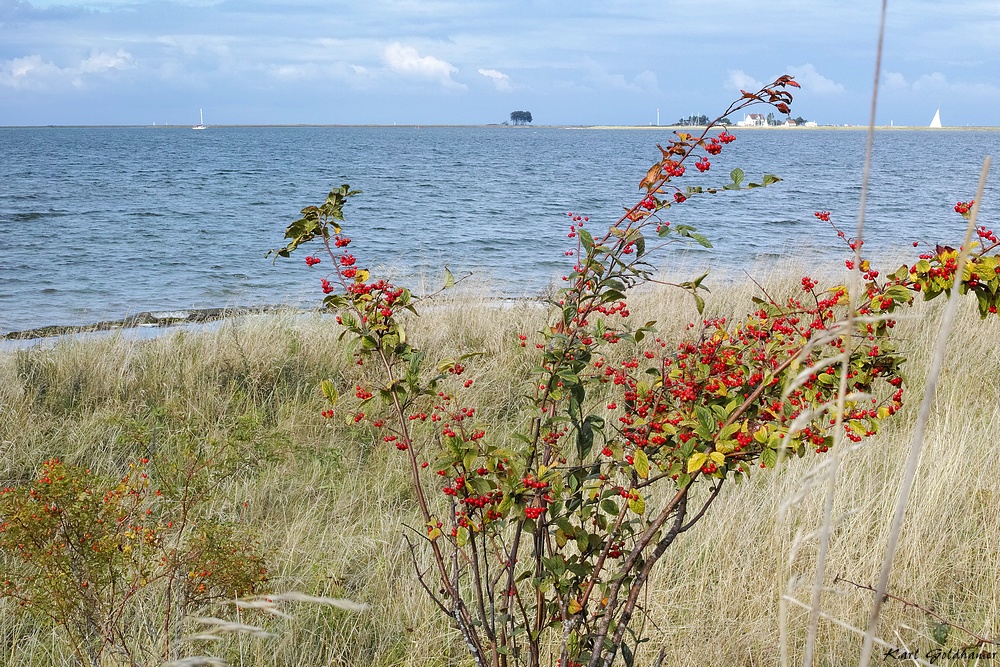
pixel 631 561
pixel 980 640
pixel 640 582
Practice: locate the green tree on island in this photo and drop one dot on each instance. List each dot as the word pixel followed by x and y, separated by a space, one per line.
pixel 520 117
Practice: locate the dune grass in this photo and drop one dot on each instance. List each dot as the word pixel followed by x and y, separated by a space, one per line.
pixel 329 504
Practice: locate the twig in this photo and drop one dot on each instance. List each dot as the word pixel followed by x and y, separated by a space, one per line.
pixel 980 640
pixel 847 626
pixel 420 577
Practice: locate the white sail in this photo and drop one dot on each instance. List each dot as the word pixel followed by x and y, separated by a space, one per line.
pixel 200 125
pixel 936 122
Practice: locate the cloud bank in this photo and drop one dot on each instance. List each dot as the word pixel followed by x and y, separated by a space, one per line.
pixel 407 61
pixel 500 80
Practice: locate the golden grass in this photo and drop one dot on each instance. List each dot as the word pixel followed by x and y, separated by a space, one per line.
pixel 330 505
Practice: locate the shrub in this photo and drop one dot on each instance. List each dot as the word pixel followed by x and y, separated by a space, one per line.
pixel 542 539
pixel 92 554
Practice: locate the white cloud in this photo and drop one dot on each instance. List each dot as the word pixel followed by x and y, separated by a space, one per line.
pixel 740 80
pixel 34 73
pixel 500 80
pixel 293 72
pixel 814 82
pixel 407 60
pixel 360 70
pixel 30 72
pixel 98 62
pixel 933 81
pixel 894 81
pixel 938 83
pixel 642 83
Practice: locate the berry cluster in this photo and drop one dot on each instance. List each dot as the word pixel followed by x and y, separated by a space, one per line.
pixel 964 207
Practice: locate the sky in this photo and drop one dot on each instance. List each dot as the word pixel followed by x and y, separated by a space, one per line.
pixel 568 62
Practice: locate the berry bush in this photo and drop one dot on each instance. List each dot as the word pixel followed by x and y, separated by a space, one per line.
pixel 542 540
pixel 91 555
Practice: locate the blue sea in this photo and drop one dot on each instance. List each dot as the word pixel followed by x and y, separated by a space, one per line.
pixel 100 223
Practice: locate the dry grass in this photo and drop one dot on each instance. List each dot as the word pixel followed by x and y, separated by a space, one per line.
pixel 330 506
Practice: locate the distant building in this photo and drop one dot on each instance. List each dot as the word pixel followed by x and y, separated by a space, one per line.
pixel 790 123
pixel 753 120
pixel 810 123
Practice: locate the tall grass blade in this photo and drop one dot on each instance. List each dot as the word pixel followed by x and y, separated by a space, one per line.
pixel 906 485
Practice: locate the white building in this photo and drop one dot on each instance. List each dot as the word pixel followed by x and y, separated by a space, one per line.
pixel 753 120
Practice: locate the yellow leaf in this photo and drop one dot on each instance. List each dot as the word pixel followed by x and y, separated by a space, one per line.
pixel 718 457
pixel 361 276
pixel 641 463
pixel 330 391
pixel 637 505
pixel 574 607
pixel 696 461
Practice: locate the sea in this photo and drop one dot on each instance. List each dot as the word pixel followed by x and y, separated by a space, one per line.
pixel 97 223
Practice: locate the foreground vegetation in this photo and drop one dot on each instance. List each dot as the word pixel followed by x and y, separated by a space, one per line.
pixel 327 503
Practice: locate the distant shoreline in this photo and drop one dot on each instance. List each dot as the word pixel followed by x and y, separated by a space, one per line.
pixel 687 128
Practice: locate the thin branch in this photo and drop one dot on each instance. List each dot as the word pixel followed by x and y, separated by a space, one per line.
pixel 980 640
pixel 420 576
pixel 704 508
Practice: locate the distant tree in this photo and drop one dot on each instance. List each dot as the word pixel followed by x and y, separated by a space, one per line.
pixel 694 120
pixel 520 117
pixel 800 121
pixel 726 121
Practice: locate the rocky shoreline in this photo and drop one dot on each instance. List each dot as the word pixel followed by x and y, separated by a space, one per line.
pixel 164 318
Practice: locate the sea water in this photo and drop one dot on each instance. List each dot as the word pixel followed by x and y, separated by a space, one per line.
pixel 98 223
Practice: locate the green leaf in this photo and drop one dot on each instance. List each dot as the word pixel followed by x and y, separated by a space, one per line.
pixel 770 178
pixel 586 238
pixel 627 655
pixel 585 437
pixel 728 432
pixel 637 505
pixel 769 457
pixel 705 417
pixel 449 280
pixel 702 240
pixel 554 564
pixel 737 176
pixel 699 303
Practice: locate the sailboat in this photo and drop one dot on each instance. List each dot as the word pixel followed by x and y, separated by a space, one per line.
pixel 936 121
pixel 202 126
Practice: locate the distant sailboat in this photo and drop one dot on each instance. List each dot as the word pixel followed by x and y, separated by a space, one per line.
pixel 936 122
pixel 202 126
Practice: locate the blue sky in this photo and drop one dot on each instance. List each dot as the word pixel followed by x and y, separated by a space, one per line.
pixel 475 61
